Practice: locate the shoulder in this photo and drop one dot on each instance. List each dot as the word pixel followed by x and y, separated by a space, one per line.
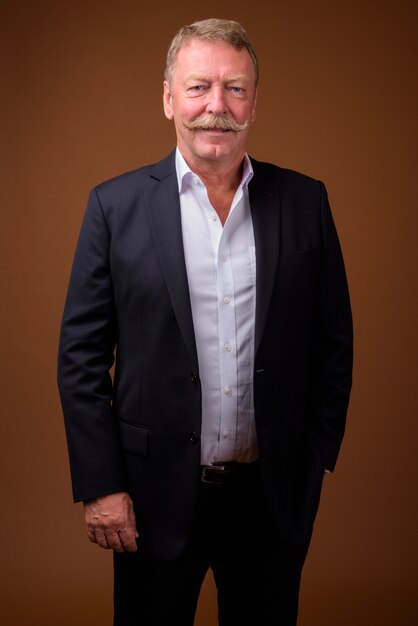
pixel 286 183
pixel 273 172
pixel 129 184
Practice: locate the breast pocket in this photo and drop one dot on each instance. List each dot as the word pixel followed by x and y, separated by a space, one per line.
pixel 298 257
pixel 297 283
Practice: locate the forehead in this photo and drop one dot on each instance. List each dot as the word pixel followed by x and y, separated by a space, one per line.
pixel 217 57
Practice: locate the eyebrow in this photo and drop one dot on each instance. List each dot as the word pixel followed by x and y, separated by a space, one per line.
pixel 229 79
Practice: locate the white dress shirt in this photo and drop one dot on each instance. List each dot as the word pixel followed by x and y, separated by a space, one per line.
pixel 220 263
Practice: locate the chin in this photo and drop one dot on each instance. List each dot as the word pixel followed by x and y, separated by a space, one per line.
pixel 215 149
pixel 214 153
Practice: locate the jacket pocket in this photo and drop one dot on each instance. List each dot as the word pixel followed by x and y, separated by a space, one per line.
pixel 133 438
pixel 298 257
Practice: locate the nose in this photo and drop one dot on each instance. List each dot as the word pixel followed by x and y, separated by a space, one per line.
pixel 216 102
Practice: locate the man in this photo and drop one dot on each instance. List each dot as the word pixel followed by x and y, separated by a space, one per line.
pixel 219 284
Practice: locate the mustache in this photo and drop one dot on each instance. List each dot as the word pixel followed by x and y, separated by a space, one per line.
pixel 220 122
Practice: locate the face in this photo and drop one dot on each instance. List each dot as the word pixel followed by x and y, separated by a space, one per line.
pixel 210 80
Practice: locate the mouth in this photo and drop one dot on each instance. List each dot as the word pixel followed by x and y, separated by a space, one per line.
pixel 216 130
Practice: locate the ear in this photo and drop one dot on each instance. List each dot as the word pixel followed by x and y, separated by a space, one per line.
pixel 253 112
pixel 167 101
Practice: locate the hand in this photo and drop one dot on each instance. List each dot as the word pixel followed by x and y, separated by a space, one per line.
pixel 110 522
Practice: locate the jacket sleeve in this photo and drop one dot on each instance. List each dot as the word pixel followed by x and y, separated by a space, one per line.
pixel 86 354
pixel 332 353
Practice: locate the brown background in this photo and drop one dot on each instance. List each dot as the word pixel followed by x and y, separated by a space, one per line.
pixel 81 102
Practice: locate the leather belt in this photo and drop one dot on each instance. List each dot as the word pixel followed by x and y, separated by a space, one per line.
pixel 225 473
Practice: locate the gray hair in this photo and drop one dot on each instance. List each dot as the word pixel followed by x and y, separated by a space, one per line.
pixel 210 30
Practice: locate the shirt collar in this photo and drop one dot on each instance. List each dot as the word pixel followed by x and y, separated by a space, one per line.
pixel 185 174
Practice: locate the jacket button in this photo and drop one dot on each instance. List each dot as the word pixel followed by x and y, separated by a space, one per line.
pixel 193 437
pixel 194 377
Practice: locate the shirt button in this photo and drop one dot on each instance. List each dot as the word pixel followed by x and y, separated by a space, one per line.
pixel 226 300
pixel 228 347
pixel 228 391
pixel 227 434
pixel 212 217
pixel 222 258
pixel 195 180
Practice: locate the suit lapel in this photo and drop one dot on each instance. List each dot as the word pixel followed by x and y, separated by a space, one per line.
pixel 265 211
pixel 163 207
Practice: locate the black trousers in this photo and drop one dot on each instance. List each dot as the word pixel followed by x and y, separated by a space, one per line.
pixel 257 576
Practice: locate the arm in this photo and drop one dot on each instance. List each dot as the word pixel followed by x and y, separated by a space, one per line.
pixel 86 354
pixel 332 356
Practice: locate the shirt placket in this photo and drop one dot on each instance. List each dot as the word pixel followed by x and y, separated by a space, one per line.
pixel 227 348
pixel 226 428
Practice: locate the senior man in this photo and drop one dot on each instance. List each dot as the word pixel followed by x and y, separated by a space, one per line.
pixel 217 284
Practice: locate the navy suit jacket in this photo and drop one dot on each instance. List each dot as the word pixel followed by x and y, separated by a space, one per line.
pixel 137 428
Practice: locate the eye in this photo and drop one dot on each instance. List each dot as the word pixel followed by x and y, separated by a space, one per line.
pixel 197 88
pixel 236 89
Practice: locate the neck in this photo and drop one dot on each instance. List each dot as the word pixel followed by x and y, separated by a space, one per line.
pixel 217 174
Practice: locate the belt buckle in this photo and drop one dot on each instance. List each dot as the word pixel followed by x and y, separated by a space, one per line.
pixel 221 469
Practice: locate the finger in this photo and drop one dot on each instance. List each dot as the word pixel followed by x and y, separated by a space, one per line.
pixel 101 539
pixel 114 541
pixel 127 538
